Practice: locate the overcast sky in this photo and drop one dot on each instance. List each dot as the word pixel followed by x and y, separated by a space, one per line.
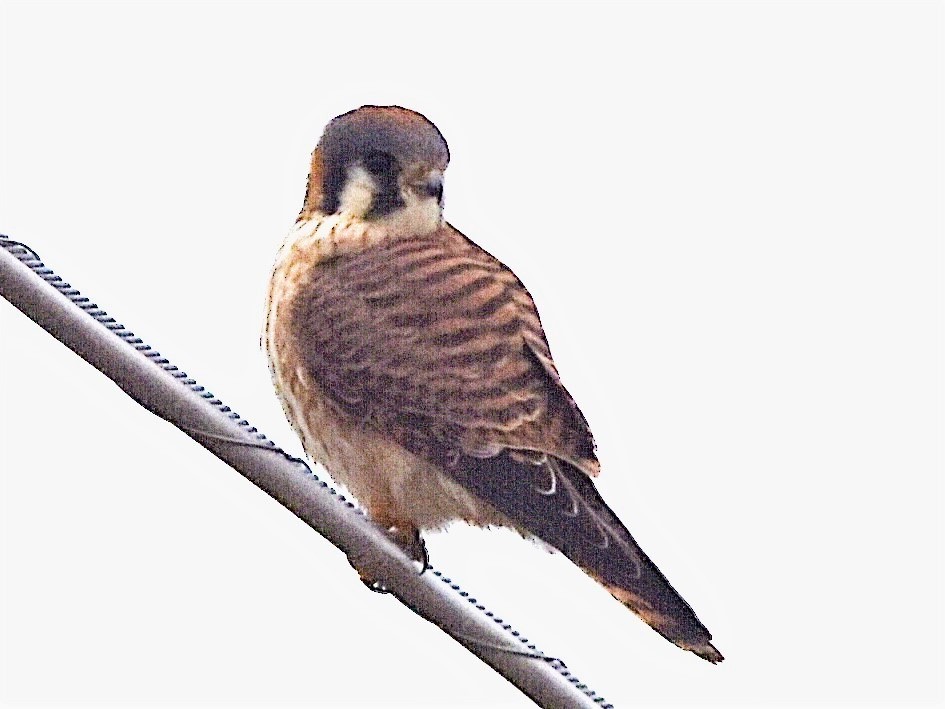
pixel 730 216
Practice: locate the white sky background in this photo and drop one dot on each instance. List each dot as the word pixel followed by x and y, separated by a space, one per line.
pixel 730 215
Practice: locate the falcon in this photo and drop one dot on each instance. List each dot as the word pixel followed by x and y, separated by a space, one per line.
pixel 414 367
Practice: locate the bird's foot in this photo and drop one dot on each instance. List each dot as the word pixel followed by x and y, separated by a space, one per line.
pixel 411 542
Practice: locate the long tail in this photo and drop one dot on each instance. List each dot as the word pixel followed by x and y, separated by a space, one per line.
pixel 559 504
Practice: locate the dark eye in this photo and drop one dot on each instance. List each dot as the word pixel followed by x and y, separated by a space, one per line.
pixel 380 164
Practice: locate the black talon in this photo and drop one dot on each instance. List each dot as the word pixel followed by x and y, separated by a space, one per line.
pixel 424 556
pixel 412 543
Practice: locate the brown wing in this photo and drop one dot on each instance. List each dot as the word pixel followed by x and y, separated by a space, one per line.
pixel 437 344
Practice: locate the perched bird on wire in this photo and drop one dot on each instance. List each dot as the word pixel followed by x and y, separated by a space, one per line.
pixel 414 367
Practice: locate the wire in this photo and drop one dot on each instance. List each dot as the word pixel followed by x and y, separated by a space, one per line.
pixel 168 392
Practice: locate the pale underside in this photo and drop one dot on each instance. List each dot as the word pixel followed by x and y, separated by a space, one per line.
pixel 397 487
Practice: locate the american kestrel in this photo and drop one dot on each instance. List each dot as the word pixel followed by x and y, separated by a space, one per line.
pixel 414 367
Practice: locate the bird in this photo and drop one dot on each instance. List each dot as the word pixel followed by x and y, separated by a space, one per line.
pixel 414 367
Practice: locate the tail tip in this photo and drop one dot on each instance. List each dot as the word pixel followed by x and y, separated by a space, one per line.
pixel 707 652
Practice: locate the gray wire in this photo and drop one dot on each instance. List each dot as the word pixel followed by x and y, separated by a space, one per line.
pixel 34 288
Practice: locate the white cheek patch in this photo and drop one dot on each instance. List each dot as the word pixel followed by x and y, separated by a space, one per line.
pixel 358 194
pixel 419 215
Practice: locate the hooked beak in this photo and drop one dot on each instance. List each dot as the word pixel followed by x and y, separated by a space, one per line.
pixel 430 185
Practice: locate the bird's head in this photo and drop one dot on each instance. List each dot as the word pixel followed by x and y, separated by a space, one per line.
pixel 380 163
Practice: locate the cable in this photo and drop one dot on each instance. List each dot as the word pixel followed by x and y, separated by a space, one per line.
pixel 168 392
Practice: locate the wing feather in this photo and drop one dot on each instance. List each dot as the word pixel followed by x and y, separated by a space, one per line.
pixel 435 333
pixel 437 345
pixel 559 504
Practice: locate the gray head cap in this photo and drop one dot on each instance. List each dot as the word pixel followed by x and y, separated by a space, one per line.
pixel 405 135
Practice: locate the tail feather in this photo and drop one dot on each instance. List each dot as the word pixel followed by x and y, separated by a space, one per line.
pixel 559 504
